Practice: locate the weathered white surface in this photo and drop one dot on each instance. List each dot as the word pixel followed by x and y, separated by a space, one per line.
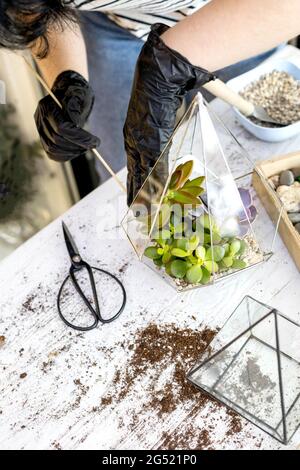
pixel 46 409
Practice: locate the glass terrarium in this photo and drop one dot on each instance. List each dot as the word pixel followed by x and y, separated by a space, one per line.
pixel 253 366
pixel 196 219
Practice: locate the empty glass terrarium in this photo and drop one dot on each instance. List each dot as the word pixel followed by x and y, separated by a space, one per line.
pixel 196 219
pixel 253 366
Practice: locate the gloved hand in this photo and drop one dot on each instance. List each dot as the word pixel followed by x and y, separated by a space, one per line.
pixel 61 130
pixel 162 78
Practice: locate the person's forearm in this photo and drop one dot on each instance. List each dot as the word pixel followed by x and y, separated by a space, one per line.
pixel 66 52
pixel 226 31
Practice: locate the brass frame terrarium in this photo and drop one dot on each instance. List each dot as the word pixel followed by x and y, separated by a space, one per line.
pixel 197 219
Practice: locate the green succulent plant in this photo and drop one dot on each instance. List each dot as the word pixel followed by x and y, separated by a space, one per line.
pixel 191 252
pixel 181 189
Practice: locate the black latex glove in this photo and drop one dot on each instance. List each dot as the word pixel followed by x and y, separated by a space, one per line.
pixel 162 78
pixel 61 130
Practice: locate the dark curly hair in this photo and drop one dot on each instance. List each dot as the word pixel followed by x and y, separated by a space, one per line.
pixel 25 23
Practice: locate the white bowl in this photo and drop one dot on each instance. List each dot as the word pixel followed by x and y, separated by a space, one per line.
pixel 269 134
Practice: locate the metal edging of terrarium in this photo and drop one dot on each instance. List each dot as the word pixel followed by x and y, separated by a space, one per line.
pixel 234 406
pixel 214 280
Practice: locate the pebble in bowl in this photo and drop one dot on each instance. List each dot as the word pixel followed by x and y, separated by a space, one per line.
pixel 281 79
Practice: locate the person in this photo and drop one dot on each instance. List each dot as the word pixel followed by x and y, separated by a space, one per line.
pixel 177 46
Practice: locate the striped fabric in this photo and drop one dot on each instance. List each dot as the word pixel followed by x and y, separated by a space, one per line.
pixel 137 16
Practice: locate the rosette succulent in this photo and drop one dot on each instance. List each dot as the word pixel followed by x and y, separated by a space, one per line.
pixel 183 192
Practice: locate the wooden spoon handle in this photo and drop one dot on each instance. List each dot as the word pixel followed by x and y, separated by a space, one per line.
pixel 221 90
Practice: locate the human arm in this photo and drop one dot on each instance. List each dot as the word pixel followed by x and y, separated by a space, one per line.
pixel 66 52
pixel 65 71
pixel 224 32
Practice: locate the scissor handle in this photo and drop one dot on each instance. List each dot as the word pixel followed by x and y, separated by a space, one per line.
pixel 74 268
pixel 103 320
pixel 95 312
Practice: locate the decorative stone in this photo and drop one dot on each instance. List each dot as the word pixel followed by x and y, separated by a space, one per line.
pixel 274 181
pixel 286 178
pixel 297 227
pixel 296 172
pixel 290 197
pixel 294 217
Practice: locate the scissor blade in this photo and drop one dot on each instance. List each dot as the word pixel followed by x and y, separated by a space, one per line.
pixel 71 245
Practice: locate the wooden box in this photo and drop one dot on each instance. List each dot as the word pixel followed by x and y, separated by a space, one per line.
pixel 263 170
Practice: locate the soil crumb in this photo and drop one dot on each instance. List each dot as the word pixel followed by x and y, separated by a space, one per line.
pixel 106 401
pixel 28 304
pixel 123 268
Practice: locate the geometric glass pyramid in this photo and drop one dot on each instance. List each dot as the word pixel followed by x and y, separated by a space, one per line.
pixel 253 366
pixel 196 219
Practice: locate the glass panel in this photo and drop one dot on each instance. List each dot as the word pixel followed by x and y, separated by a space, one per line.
pixel 253 367
pixel 142 217
pixel 289 340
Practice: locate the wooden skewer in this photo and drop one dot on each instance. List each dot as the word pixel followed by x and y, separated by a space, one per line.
pixel 94 150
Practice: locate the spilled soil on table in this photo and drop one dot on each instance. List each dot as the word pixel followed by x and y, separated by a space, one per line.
pixel 160 358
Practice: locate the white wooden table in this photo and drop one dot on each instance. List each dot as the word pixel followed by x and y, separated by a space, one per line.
pixel 65 373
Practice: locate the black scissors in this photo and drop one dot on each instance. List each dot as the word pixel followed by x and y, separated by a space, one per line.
pixel 77 265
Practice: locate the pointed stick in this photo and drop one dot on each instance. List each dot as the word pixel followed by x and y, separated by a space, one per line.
pixel 94 150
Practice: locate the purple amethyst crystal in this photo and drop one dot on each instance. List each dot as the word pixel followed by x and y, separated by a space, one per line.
pixel 249 212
